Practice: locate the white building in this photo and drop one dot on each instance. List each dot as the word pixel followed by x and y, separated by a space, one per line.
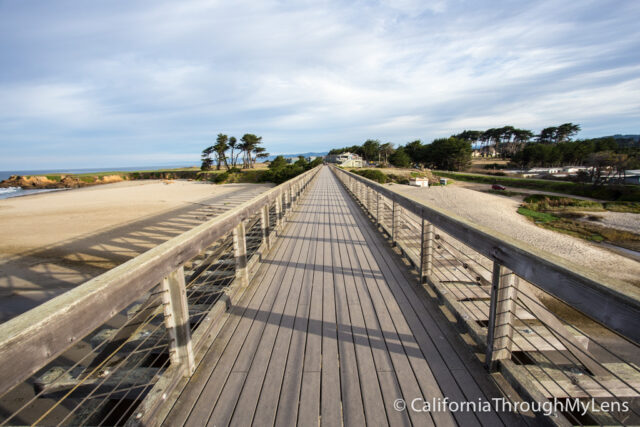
pixel 347 160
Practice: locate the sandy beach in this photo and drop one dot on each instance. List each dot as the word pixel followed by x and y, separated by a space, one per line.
pixel 52 242
pixel 499 213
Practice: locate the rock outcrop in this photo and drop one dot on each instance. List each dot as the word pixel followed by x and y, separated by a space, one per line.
pixel 60 181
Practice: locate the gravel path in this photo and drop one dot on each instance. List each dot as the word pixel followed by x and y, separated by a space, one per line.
pixel 499 213
pixel 619 220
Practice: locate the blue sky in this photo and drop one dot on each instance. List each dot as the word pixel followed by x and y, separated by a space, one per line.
pixel 118 83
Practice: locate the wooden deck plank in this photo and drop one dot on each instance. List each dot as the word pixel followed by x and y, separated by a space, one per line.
pixel 287 412
pixel 330 398
pixel 350 380
pixel 182 408
pixel 282 311
pixel 374 405
pixel 223 354
pixel 400 343
pixel 265 412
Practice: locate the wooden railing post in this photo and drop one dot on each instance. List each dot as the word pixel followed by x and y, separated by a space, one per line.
pixel 278 211
pixel 176 319
pixel 504 292
pixel 264 225
pixel 369 199
pixel 378 197
pixel 240 252
pixel 426 251
pixel 395 216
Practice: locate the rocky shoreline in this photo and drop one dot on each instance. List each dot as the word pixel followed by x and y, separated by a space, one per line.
pixel 62 181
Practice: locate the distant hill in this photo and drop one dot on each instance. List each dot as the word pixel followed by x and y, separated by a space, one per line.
pixel 627 140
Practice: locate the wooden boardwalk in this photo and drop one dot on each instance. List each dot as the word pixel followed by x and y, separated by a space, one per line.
pixel 332 331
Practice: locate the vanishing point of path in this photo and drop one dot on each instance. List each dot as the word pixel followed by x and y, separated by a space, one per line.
pixel 332 331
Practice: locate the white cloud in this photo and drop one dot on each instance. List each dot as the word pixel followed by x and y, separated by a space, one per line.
pixel 334 73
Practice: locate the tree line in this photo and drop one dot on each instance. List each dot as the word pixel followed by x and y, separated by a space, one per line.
pixel 228 151
pixel 451 153
pixel 552 146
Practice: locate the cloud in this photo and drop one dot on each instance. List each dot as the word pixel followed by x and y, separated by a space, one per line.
pixel 133 80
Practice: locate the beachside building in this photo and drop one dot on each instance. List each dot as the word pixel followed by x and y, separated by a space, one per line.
pixel 347 160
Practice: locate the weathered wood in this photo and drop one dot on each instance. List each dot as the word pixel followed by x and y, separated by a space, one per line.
pixel 176 320
pixel 608 301
pixel 395 221
pixel 264 226
pixel 504 291
pixel 31 340
pixel 426 251
pixel 240 253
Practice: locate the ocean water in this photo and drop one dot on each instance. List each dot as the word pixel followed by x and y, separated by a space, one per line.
pixel 8 192
pixel 6 174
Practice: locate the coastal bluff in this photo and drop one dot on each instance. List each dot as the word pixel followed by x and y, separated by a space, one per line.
pixel 63 181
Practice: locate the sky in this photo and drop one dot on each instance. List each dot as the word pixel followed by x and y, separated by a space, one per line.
pixel 127 83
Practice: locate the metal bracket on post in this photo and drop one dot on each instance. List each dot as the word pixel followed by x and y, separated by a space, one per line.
pixel 240 252
pixel 264 225
pixel 176 320
pixel 504 292
pixel 395 216
pixel 426 251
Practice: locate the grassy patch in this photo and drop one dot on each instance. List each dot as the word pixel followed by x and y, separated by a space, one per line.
pixel 631 207
pixel 541 202
pixel 562 214
pixel 630 193
pixel 372 174
pixel 538 217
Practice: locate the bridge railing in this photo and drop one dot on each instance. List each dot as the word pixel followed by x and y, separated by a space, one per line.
pixel 553 329
pixel 115 347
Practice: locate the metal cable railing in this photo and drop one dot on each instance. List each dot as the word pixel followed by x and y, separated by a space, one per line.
pixel 548 349
pixel 116 361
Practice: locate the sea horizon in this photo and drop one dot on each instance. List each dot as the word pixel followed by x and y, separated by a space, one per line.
pixel 7 173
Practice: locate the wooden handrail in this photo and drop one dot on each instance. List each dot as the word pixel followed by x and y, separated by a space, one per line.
pixel 612 303
pixel 31 340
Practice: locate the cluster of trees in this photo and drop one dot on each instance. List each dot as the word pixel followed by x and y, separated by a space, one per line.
pixel 508 140
pixel 280 170
pixel 445 153
pixel 249 148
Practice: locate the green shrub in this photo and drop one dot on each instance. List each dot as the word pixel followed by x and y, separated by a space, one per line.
pixel 372 174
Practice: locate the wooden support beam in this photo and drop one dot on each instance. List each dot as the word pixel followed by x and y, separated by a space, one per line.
pixel 426 251
pixel 176 320
pixel 504 291
pixel 240 252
